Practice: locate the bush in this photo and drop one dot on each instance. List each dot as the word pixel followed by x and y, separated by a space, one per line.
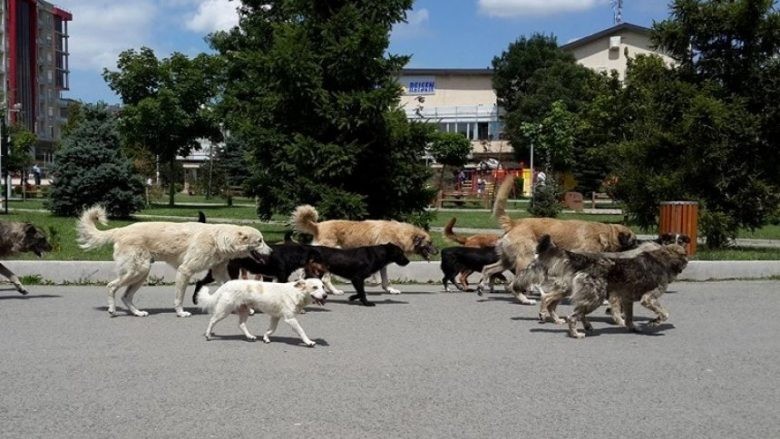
pixel 89 169
pixel 544 202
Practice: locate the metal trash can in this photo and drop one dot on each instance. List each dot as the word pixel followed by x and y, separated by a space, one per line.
pixel 680 217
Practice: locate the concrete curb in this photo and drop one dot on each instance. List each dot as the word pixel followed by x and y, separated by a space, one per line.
pixel 100 272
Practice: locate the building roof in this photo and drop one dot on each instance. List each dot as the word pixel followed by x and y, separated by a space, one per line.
pixel 445 71
pixel 606 32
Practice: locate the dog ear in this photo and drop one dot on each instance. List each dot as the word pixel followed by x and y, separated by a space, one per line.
pixel 418 240
pixel 544 244
pixel 29 229
pixel 301 284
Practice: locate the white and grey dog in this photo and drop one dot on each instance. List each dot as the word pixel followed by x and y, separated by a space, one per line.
pixel 278 300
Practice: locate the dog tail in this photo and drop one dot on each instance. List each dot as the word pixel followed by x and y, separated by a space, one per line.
pixel 449 234
pixel 499 206
pixel 304 219
pixel 205 300
pixel 89 237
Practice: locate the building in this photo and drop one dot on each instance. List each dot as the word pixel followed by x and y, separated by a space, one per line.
pixel 458 100
pixel 610 49
pixel 34 70
pixel 463 100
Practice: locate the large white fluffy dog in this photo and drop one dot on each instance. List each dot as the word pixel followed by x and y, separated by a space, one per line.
pixel 279 300
pixel 189 247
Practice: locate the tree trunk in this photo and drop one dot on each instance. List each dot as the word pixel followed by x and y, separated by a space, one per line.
pixel 172 182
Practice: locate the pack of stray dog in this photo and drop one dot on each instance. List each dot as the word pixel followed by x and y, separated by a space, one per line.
pixel 587 263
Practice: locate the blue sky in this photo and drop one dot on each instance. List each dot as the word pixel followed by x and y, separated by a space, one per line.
pixel 439 33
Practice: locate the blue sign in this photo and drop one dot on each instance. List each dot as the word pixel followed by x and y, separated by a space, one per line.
pixel 421 87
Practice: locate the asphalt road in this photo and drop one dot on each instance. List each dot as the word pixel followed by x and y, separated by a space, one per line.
pixel 422 364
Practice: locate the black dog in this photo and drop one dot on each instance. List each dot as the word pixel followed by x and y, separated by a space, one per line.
pixel 356 264
pixel 465 260
pixel 284 259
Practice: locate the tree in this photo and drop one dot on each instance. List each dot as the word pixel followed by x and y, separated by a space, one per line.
pixel 312 90
pixel 449 149
pixel 732 46
pixel 21 141
pixel 686 142
pixel 166 102
pixel 530 76
pixel 714 117
pixel 89 169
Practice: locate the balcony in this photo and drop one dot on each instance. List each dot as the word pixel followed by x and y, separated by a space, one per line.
pixel 464 113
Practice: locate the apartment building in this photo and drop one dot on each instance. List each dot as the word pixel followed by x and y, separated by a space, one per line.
pixel 34 68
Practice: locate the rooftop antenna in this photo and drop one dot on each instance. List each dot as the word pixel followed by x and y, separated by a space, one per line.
pixel 617 6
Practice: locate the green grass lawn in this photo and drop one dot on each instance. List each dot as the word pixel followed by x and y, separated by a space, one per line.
pixel 63 231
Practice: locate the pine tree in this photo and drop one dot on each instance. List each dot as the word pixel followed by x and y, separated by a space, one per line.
pixel 89 169
pixel 313 92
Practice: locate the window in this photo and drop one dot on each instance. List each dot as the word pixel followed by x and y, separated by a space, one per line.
pixel 482 130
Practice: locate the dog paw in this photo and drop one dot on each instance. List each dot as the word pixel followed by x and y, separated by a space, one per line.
pixel 111 312
pixel 251 337
pixel 367 303
pixel 578 335
pixel 141 313
pixel 393 290
pixel 251 311
pixel 266 339
pixel 182 313
pixel 23 292
pixel 310 343
pixel 338 292
pixel 559 321
pixel 208 336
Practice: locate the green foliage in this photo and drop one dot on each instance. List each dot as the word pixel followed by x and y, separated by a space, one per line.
pixel 553 137
pixel 90 169
pixel 687 143
pixel 22 140
pixel 707 130
pixel 531 75
pixel 451 149
pixel 546 200
pixel 312 90
pixel 166 101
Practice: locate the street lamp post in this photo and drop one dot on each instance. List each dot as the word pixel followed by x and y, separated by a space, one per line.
pixel 4 146
pixel 4 160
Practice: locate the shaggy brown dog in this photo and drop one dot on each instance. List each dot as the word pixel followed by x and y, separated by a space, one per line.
pixel 642 274
pixel 189 247
pixel 352 234
pixel 516 247
pixel 16 237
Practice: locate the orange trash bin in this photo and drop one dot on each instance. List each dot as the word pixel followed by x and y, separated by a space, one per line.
pixel 680 217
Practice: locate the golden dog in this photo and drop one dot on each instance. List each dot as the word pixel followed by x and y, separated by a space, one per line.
pixel 516 248
pixel 351 234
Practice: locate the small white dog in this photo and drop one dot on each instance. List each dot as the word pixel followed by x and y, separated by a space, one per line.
pixel 279 300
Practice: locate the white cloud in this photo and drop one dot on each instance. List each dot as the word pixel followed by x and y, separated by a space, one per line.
pixel 416 24
pixel 518 8
pixel 101 29
pixel 213 15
